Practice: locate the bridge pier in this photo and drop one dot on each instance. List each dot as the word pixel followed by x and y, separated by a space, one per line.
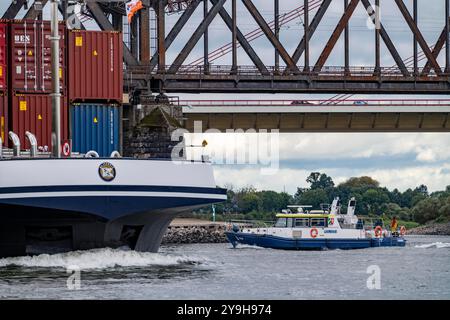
pixel 148 132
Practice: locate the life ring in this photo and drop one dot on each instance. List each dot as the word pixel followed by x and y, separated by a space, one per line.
pixel 314 232
pixel 378 231
pixel 402 230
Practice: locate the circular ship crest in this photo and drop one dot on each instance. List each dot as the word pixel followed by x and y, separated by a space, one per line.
pixel 107 171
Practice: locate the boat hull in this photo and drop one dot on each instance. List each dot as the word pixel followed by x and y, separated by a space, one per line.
pixel 274 242
pixel 45 210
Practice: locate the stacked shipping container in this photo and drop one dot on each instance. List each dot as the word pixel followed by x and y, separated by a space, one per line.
pixel 95 127
pixel 3 56
pixel 4 117
pixel 95 87
pixel 30 56
pixel 96 67
pixel 94 90
pixel 30 81
pixel 33 113
pixel 3 83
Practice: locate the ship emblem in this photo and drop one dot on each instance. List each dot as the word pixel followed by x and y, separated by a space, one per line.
pixel 107 171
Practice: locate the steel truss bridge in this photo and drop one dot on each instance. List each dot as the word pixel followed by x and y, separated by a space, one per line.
pixel 297 73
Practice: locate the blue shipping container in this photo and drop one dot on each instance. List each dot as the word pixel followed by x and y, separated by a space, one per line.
pixel 95 127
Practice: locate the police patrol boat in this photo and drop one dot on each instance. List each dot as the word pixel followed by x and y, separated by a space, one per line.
pixel 317 229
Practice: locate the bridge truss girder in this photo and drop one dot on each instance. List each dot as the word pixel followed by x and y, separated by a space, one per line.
pixel 152 71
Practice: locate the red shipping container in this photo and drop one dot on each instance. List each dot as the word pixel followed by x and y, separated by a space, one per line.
pixel 4 117
pixel 3 56
pixel 33 113
pixel 30 54
pixel 95 66
pixel 46 66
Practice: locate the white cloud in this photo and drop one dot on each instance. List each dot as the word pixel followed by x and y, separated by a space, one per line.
pixel 435 177
pixel 425 147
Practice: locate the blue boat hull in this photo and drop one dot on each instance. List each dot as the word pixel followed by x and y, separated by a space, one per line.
pixel 388 242
pixel 269 241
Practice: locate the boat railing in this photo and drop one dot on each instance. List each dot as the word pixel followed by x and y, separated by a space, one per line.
pixel 242 224
pixel 370 223
pixel 9 154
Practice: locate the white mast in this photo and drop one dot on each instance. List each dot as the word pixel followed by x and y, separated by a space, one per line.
pixel 56 95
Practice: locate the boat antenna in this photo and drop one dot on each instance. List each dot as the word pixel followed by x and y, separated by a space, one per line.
pixel 56 95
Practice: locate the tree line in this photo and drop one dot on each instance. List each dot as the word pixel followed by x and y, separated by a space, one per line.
pixel 413 205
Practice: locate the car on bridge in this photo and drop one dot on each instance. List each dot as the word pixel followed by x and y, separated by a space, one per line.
pixel 301 103
pixel 360 103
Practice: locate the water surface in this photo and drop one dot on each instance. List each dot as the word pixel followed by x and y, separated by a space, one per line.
pixel 421 270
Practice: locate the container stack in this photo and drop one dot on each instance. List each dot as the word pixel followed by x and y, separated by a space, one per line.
pixel 30 81
pixel 3 83
pixel 95 85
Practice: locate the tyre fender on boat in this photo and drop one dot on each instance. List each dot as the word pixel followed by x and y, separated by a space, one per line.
pixel 378 231
pixel 402 230
pixel 314 232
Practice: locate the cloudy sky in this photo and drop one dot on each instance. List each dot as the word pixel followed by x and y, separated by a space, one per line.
pixel 396 160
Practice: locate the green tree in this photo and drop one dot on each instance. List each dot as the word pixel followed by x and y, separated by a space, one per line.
pixel 250 202
pixel 444 211
pixel 394 210
pixel 426 210
pixel 314 198
pixel 272 201
pixel 374 199
pixel 361 182
pixel 319 180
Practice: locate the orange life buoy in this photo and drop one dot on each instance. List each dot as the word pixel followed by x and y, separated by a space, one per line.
pixel 378 231
pixel 402 230
pixel 314 232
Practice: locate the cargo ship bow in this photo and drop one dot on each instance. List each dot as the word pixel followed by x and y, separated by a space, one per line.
pixel 50 205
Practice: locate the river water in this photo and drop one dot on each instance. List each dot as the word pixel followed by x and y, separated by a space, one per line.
pixel 216 271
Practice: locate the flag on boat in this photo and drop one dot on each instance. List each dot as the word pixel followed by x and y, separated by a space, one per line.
pixel 133 6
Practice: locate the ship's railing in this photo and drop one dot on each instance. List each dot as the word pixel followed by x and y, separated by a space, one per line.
pixel 9 154
pixel 242 224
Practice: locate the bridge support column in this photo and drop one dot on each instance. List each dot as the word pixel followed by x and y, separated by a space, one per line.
pixel 151 124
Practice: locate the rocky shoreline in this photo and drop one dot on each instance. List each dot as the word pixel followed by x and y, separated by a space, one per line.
pixel 210 233
pixel 434 229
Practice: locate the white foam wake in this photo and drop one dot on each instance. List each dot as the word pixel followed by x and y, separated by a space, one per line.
pixel 247 246
pixel 99 259
pixel 437 245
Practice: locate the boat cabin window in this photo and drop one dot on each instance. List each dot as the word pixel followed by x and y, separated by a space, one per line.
pixel 290 221
pixel 284 223
pixel 281 223
pixel 302 222
pixel 317 222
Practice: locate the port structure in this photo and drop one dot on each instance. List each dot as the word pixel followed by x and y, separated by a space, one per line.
pixel 289 72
